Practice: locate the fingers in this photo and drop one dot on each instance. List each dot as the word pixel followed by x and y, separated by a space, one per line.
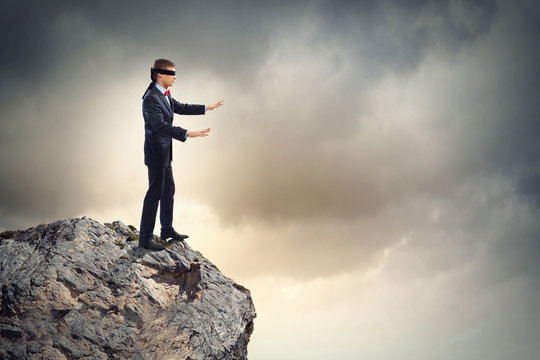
pixel 216 105
pixel 199 133
pixel 204 132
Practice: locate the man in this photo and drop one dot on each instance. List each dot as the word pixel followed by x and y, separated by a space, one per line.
pixel 158 111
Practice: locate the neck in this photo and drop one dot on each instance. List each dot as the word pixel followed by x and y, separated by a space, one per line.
pixel 162 85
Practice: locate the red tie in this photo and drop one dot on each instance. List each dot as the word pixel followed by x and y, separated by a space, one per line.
pixel 167 92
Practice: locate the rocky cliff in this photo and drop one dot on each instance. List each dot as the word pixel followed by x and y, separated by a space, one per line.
pixel 77 289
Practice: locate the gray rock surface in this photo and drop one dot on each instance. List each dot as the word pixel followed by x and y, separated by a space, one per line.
pixel 77 289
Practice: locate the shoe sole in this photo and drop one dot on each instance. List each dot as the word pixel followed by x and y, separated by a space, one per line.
pixel 175 239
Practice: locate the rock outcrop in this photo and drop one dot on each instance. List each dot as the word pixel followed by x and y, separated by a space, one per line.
pixel 77 289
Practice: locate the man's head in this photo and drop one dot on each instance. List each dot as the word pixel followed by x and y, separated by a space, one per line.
pixel 163 79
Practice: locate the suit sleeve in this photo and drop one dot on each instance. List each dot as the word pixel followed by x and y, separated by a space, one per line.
pixel 154 115
pixel 188 109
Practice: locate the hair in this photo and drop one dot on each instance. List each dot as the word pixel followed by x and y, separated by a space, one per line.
pixel 160 64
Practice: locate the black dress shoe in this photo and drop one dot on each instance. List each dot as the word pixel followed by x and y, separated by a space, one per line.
pixel 173 235
pixel 151 245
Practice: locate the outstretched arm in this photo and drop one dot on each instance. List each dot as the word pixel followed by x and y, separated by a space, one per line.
pixel 204 132
pixel 187 109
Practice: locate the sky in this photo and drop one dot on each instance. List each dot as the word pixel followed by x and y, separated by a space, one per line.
pixel 373 177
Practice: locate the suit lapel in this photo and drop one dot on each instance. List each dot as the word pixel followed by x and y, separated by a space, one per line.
pixel 164 101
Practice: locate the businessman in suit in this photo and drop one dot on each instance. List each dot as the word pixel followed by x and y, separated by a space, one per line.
pixel 159 108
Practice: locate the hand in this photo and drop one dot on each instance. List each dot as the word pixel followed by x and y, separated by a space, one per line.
pixel 201 133
pixel 216 105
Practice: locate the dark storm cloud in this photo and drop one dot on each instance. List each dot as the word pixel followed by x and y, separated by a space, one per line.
pixel 337 52
pixel 26 39
pixel 228 37
pixel 232 37
pixel 397 34
pixel 516 147
pixel 319 168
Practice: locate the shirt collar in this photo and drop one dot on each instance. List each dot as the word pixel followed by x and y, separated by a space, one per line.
pixel 160 88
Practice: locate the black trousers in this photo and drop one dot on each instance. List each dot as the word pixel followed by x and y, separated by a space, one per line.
pixel 160 191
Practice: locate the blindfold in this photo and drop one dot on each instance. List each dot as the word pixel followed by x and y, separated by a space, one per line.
pixel 163 71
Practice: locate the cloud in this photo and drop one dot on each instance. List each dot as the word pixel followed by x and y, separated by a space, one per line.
pixel 336 111
pixel 375 159
pixel 440 292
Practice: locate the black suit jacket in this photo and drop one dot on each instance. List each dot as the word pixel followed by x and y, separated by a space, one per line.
pixel 159 131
